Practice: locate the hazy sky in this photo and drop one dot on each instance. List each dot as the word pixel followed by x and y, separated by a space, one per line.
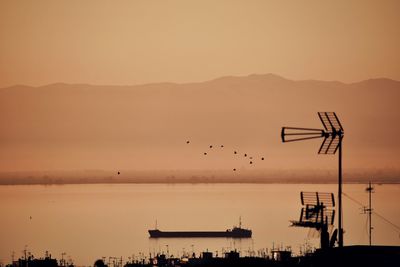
pixel 131 42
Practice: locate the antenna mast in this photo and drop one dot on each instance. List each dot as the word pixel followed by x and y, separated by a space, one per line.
pixel 333 135
pixel 369 210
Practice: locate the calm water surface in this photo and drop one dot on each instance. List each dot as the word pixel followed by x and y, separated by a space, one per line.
pixel 92 221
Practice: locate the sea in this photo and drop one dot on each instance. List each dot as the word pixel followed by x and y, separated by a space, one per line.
pixel 83 223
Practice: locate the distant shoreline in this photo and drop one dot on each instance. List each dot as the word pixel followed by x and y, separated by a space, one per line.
pixel 196 177
pixel 194 183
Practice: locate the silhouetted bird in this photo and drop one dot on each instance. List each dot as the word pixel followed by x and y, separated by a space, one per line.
pixel 245 155
pixel 234 170
pixel 222 145
pixel 187 142
pixel 262 158
pixel 251 162
pixel 234 152
pixel 210 146
pixel 118 173
pixel 205 153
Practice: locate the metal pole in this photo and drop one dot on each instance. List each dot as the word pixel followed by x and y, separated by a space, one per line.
pixel 370 213
pixel 340 194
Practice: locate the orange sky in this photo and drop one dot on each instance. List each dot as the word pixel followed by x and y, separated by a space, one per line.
pixel 136 42
pixel 102 42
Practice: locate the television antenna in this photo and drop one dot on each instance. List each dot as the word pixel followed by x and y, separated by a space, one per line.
pixel 333 135
pixel 369 210
pixel 318 213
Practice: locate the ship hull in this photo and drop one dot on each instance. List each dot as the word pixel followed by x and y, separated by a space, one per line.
pixel 200 234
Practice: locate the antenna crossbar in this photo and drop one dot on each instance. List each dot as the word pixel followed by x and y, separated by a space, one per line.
pixel 330 121
pixel 317 198
pixel 290 134
pixel 329 145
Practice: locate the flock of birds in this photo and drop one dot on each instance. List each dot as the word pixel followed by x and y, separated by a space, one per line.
pixel 235 152
pixel 251 159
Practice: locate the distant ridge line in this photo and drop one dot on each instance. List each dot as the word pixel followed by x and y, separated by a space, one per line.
pixel 218 79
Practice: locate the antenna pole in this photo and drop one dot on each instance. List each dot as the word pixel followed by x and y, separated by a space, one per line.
pixel 369 210
pixel 369 213
pixel 340 218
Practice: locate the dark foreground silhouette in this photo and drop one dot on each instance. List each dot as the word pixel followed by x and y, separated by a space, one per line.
pixel 366 256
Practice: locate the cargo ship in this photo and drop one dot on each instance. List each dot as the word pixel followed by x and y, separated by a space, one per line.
pixel 235 232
